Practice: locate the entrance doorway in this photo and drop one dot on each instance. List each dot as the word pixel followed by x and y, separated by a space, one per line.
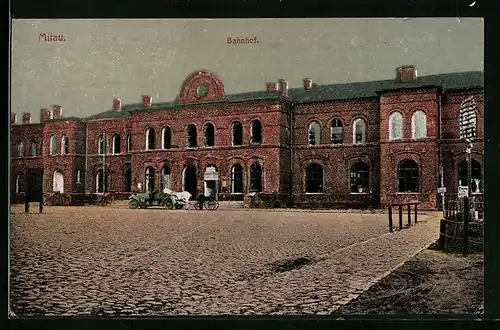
pixel 189 180
pixel 128 180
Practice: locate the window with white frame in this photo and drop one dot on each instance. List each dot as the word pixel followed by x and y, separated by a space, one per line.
pixel 129 142
pixel 101 144
pixel 53 145
pixel 20 149
pixel 336 131
pixel 117 144
pixel 314 134
pixel 33 148
pixel 237 179
pixel 396 126
pixel 419 125
pixel 58 182
pixel 64 145
pixel 165 178
pixel 166 138
pixel 256 132
pixel 359 131
pixel 360 178
pixel 150 139
pixel 314 178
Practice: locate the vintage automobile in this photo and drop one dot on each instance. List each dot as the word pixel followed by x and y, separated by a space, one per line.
pixel 150 198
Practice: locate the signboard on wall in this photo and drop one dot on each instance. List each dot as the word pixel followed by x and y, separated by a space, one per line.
pixel 463 191
pixel 468 119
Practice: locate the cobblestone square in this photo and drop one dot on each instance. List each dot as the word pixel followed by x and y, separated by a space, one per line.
pixel 117 261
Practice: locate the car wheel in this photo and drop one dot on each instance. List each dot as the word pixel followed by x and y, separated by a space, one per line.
pixel 133 204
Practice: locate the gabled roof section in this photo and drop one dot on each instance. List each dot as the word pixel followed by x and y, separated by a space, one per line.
pixel 357 90
pixel 450 81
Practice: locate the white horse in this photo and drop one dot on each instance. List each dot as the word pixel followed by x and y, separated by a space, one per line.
pixel 183 196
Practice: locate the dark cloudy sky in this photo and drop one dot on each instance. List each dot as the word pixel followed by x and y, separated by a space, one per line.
pixel 103 59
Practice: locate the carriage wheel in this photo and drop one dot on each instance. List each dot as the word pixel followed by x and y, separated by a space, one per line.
pixel 133 204
pixel 211 205
pixel 167 202
pixel 198 206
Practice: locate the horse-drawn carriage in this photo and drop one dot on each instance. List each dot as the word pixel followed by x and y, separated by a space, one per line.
pixel 172 200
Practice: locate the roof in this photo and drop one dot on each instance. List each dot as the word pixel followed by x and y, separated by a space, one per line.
pixel 448 81
pixel 457 80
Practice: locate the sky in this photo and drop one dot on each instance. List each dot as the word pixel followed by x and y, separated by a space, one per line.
pixel 103 59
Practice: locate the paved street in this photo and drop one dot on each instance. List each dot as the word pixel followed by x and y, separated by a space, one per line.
pixel 117 261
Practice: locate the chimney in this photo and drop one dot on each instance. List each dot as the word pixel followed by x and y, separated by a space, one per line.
pixel 146 101
pixel 26 118
pixel 13 118
pixel 308 83
pixel 283 87
pixel 117 104
pixel 44 115
pixel 406 73
pixel 272 87
pixel 57 111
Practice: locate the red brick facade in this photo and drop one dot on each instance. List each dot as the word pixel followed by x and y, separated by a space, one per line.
pixel 284 165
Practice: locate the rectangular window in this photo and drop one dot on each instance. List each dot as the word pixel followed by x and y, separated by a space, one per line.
pixel 78 176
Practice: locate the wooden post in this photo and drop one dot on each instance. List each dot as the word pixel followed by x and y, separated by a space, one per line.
pixel 26 203
pixel 416 204
pixel 390 219
pixel 41 201
pixel 409 214
pixel 466 216
pixel 442 230
pixel 400 216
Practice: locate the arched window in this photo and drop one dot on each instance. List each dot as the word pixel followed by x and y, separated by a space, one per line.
pixel 117 144
pixel 256 178
pixel 20 149
pixel 100 183
pixel 33 149
pixel 314 178
pixel 166 138
pixel 209 135
pixel 419 125
pixel 165 178
pixel 129 143
pixel 359 131
pixel 150 139
pixel 58 182
pixel 150 179
pixel 314 134
pixel 337 132
pixel 64 145
pixel 360 178
pixel 102 145
pixel 53 145
pixel 476 177
pixel 237 179
pixel 192 136
pixel 396 126
pixel 237 134
pixel 256 132
pixel 408 176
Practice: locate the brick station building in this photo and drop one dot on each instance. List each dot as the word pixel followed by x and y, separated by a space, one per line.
pixel 350 145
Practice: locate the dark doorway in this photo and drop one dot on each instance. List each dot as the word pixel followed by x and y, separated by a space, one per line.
pixel 34 188
pixel 189 180
pixel 128 180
